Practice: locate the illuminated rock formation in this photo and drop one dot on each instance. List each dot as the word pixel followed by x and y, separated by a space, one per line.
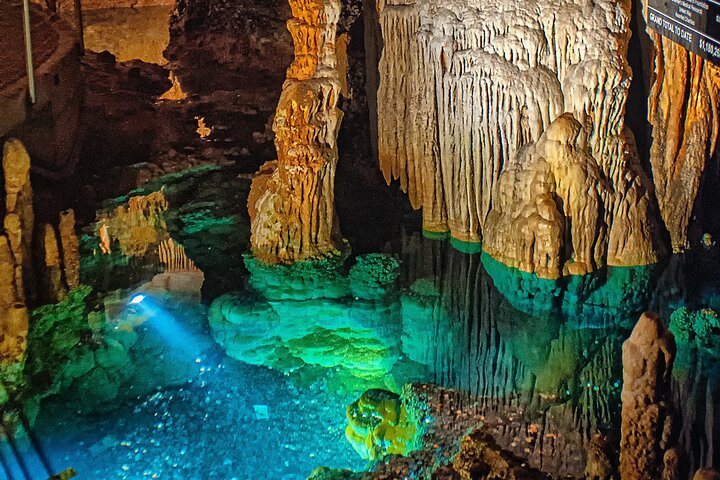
pixel 556 213
pixel 52 276
pixel 58 258
pixel 292 199
pixel 684 106
pixel 69 245
pixel 464 86
pixel 15 252
pixel 646 422
pixel 379 425
pixel 137 227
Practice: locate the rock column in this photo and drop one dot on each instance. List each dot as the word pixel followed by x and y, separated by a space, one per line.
pixel 647 364
pixel 291 202
pixel 15 252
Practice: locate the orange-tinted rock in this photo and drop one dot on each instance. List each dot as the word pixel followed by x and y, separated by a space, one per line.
pixel 15 252
pixel 52 286
pixel 706 474
pixel 683 110
pixel 135 226
pixel 647 365
pixel 292 201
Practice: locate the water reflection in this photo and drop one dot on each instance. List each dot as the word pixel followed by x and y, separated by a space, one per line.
pixel 548 352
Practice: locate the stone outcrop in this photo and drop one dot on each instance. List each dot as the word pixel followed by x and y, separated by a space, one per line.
pixel 136 227
pixel 291 202
pixel 646 421
pixel 684 106
pixel 58 258
pixel 464 86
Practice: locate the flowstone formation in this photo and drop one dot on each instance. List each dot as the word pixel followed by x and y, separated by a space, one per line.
pixel 509 118
pixel 684 106
pixel 646 421
pixel 291 201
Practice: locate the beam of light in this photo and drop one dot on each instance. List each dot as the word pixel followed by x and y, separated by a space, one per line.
pixel 175 334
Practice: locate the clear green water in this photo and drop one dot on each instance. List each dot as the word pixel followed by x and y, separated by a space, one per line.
pixel 264 396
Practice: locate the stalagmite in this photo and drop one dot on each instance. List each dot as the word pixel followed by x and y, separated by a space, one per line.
pixel 52 282
pixel 684 110
pixel 291 202
pixel 467 88
pixel 70 249
pixel 15 252
pixel 646 422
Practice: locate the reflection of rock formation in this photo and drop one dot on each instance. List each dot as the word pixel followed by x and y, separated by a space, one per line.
pixel 646 423
pixel 292 200
pixel 563 376
pixel 465 85
pixel 684 104
pixel 302 321
pixel 136 226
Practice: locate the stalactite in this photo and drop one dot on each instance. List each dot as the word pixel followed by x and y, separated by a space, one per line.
pixel 173 257
pixel 291 202
pixel 467 87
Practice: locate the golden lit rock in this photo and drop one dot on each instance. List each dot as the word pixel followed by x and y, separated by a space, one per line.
pixel 291 202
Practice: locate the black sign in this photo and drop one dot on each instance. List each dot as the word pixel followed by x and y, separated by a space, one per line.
pixel 694 24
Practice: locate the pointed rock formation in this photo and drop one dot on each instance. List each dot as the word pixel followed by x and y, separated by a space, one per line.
pixel 70 249
pixel 291 202
pixel 647 367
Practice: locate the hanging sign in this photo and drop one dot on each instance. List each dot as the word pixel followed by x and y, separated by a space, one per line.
pixel 694 24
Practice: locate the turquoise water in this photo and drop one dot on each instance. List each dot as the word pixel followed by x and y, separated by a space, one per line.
pixel 260 391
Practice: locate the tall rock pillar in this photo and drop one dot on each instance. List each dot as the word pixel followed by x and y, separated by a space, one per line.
pixel 647 364
pixel 291 201
pixel 15 251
